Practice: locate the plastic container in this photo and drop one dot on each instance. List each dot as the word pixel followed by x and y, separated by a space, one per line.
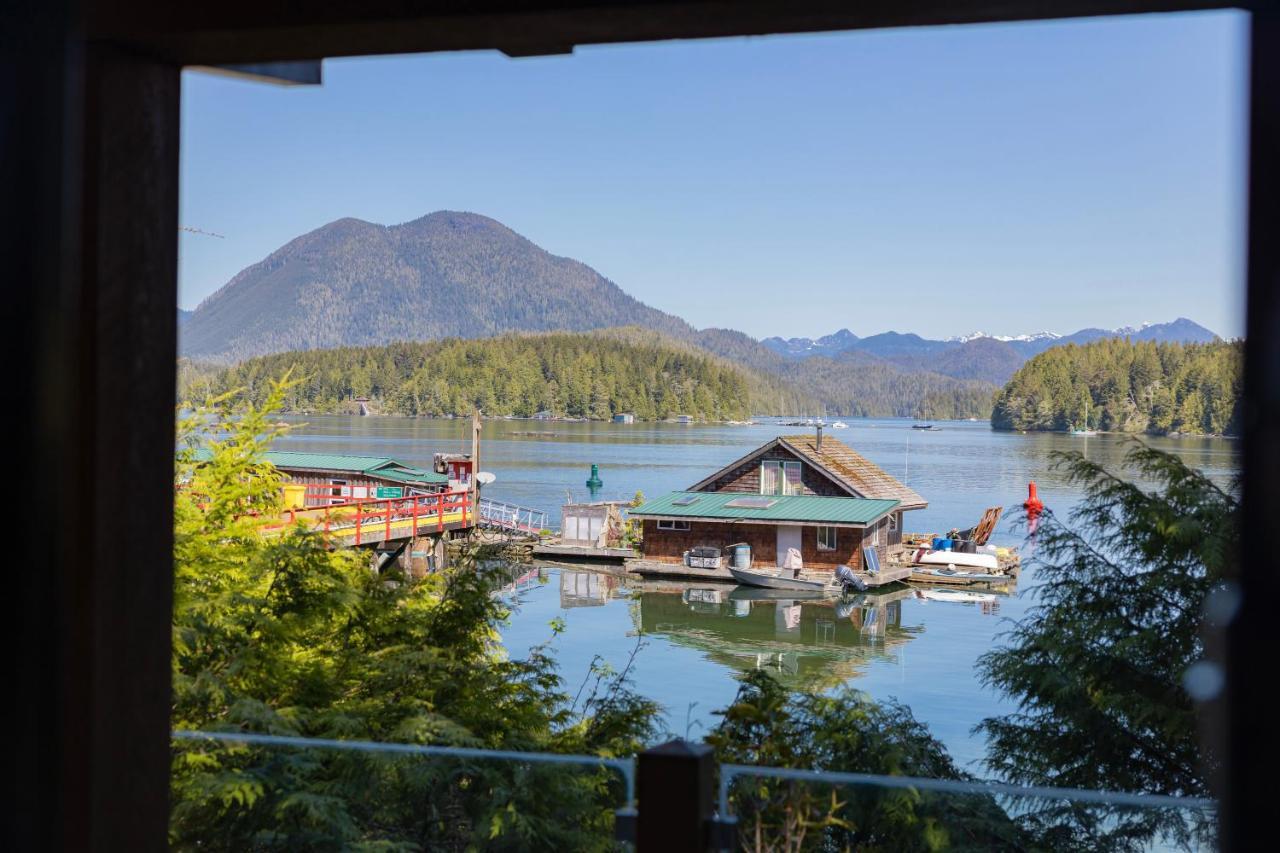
pixel 741 556
pixel 942 544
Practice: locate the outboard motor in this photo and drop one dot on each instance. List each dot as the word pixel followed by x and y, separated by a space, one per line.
pixel 849 581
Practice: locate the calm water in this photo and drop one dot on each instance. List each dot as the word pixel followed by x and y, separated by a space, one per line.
pixel 916 646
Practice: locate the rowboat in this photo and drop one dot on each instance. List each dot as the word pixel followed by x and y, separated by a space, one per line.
pixel 777 579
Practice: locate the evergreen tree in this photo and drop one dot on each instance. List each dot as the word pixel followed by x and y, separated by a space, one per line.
pixel 1097 666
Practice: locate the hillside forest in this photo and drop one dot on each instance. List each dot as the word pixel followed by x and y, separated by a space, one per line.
pixel 1126 386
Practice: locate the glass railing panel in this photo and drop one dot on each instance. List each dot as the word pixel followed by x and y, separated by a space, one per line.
pixel 235 791
pixel 781 809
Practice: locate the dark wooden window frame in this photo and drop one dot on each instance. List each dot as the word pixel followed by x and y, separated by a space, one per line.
pixel 89 140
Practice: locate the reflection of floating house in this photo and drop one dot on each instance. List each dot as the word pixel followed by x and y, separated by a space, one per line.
pixel 585 589
pixel 805 492
pixel 812 645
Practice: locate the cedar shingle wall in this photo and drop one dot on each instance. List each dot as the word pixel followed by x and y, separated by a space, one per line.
pixel 746 477
pixel 668 546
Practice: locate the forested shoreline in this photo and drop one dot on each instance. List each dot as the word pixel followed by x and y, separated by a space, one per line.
pixel 1118 385
pixel 592 375
pixel 569 375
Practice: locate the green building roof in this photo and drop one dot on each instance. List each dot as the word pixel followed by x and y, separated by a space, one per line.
pixel 739 506
pixel 382 467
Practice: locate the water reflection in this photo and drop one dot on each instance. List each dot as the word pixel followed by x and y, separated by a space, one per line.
pixel 812 644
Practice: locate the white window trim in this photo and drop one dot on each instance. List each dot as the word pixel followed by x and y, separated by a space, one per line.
pixel 673 524
pixel 835 538
pixel 782 474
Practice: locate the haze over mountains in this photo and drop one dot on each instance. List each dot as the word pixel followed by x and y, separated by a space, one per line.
pixel 451 274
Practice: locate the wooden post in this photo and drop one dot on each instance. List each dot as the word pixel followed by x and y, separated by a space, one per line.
pixel 88 234
pixel 476 425
pixel 1250 742
pixel 675 787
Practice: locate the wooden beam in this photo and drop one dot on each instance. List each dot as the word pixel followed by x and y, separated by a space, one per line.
pixel 1247 731
pixel 125 429
pixel 236 31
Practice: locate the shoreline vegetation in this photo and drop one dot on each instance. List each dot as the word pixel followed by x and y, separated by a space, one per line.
pixel 1130 387
pixel 1111 386
pixel 580 375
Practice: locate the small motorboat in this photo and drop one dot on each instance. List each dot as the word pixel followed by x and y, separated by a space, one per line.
pixel 956 595
pixel 839 425
pixel 959 560
pixel 757 593
pixel 922 574
pixel 779 579
pixel 925 427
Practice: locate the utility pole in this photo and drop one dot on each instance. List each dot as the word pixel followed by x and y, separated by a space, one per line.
pixel 476 425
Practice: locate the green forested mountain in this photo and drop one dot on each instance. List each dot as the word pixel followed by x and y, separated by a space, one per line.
pixel 1127 386
pixel 448 274
pixel 593 375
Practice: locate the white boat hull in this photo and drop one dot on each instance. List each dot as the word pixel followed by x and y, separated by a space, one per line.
pixel 770 580
pixel 960 560
pixel 932 574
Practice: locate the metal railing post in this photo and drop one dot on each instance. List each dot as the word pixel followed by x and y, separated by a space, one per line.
pixel 677 798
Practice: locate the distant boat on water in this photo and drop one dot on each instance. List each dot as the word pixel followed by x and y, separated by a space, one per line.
pixel 1086 430
pixel 926 427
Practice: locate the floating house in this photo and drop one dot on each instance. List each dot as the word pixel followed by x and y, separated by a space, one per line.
pixel 350 478
pixel 814 494
pixel 624 418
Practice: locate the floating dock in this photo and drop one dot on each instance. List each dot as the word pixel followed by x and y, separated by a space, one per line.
pixel 582 552
pixel 655 569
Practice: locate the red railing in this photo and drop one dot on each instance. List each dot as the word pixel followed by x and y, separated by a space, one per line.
pixel 377 519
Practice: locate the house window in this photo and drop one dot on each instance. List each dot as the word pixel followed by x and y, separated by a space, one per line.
pixel 780 478
pixel 339 491
pixel 893 522
pixel 826 538
pixel 875 536
pixel 672 524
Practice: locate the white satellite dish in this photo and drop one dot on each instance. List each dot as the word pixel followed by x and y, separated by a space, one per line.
pixel 484 478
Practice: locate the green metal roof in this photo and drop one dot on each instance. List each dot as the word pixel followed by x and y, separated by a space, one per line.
pixel 409 475
pixel 326 461
pixel 802 508
pixel 381 466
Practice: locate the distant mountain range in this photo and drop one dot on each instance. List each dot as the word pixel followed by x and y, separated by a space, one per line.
pixel 462 275
pixel 978 355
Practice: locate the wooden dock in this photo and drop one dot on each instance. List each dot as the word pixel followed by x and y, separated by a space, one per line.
pixel 582 552
pixel 655 569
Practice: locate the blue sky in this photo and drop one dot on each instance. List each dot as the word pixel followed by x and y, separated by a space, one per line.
pixel 1004 178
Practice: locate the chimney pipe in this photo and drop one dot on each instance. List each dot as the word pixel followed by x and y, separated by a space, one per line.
pixel 819 436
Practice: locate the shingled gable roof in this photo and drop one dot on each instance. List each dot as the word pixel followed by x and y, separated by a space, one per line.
pixel 841 464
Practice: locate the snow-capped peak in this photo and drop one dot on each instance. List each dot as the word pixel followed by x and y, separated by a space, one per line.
pixel 1036 336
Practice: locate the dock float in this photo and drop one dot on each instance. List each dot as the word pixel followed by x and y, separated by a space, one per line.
pixel 582 552
pixel 655 569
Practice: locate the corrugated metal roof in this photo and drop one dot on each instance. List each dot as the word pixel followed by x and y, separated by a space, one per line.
pixel 380 466
pixel 407 475
pixel 326 461
pixel 803 508
pixel 860 473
